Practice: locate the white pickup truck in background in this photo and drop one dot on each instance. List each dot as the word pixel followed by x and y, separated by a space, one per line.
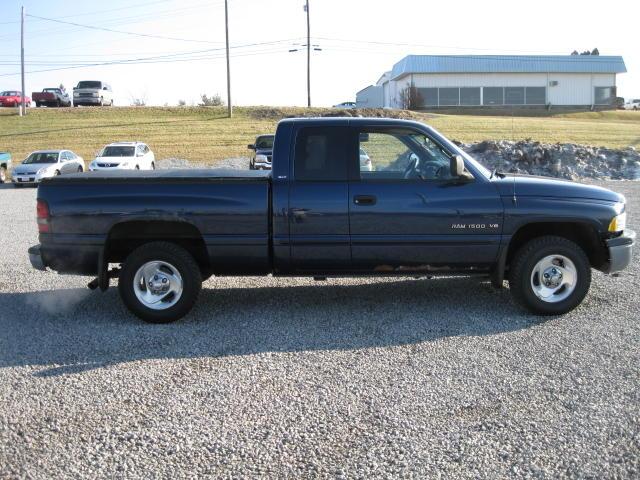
pixel 633 104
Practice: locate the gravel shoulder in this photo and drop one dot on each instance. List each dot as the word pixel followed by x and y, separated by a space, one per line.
pixel 353 378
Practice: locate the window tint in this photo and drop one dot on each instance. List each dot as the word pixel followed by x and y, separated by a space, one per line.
pixel 514 95
pixel 470 96
pixel 401 154
pixel 603 95
pixel 429 96
pixel 536 95
pixel 449 96
pixel 493 95
pixel 321 154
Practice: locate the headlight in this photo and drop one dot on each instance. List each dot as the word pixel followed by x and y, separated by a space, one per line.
pixel 76 94
pixel 261 158
pixel 619 223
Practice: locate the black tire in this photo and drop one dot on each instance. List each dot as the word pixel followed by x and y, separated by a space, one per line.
pixel 56 173
pixel 174 255
pixel 80 169
pixel 522 267
pixel 38 105
pixel 153 166
pixel 3 174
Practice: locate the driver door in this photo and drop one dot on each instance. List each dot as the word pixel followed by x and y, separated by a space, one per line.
pixel 406 212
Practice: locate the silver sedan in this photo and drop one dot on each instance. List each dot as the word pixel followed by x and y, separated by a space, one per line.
pixel 44 164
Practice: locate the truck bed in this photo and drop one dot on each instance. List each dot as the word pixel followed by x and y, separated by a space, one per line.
pixel 228 209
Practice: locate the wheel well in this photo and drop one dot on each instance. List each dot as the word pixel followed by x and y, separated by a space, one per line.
pixel 585 235
pixel 127 236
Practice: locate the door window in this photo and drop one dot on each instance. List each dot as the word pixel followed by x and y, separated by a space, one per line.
pixel 321 154
pixel 402 154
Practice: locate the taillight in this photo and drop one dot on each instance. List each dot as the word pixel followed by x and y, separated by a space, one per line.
pixel 43 216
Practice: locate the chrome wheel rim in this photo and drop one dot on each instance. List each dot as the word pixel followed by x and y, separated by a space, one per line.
pixel 554 278
pixel 158 285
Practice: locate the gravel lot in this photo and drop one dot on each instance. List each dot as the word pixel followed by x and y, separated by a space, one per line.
pixel 290 378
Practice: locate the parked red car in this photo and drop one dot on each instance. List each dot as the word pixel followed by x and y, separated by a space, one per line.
pixel 12 98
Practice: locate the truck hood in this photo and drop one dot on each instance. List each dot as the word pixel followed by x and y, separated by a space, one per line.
pixel 264 151
pixel 534 186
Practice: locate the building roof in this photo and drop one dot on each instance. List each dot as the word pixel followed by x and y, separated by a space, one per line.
pixel 508 64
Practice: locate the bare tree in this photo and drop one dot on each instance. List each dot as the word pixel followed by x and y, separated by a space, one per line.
pixel 211 101
pixel 182 103
pixel 410 98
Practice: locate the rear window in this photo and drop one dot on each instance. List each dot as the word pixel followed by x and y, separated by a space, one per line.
pixel 118 151
pixel 90 84
pixel 321 154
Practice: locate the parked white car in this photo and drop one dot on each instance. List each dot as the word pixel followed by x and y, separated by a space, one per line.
pixel 44 164
pixel 346 105
pixel 124 155
pixel 632 104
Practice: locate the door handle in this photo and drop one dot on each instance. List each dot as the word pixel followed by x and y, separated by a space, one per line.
pixel 364 200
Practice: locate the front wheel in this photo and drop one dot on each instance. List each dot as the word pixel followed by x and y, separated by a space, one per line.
pixel 550 275
pixel 160 282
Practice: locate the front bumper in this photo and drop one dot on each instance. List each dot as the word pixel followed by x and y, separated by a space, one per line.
pixel 25 179
pixel 620 251
pixel 86 100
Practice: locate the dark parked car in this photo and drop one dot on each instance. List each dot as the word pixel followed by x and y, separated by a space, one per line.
pixel 51 97
pixel 423 208
pixel 263 152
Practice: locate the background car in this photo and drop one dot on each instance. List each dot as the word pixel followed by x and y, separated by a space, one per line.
pixel 124 155
pixel 13 98
pixel 365 161
pixel 51 97
pixel 5 165
pixel 263 149
pixel 44 164
pixel 632 104
pixel 345 105
pixel 92 92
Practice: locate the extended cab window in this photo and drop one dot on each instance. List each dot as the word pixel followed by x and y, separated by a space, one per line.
pixel 321 154
pixel 402 154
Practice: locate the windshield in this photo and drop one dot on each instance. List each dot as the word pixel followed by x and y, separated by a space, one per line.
pixel 118 152
pixel 90 84
pixel 265 143
pixel 51 90
pixel 9 93
pixel 42 157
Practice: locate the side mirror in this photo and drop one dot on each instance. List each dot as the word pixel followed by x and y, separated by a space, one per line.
pixel 457 166
pixel 251 146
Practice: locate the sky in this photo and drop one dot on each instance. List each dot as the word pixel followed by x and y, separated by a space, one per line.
pixel 164 51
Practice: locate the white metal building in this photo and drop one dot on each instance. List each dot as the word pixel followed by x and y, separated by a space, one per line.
pixel 493 81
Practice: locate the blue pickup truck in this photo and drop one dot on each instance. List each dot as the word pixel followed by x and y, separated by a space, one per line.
pixel 420 207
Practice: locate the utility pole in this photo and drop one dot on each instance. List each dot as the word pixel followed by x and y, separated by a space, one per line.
pixel 306 8
pixel 226 28
pixel 23 107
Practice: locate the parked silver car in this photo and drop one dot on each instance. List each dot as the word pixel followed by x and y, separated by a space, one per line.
pixel 46 163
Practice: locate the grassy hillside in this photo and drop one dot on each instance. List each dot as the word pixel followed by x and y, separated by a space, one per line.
pixel 206 135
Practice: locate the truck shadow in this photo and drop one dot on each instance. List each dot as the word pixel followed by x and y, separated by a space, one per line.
pixel 76 330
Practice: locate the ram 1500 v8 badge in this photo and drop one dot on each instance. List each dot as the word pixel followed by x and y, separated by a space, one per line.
pixel 421 206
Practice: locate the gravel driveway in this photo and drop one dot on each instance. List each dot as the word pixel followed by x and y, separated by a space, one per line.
pixel 290 378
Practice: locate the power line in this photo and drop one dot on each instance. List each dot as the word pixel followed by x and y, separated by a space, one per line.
pixel 93 27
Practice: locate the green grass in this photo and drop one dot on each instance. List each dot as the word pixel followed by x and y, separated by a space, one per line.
pixel 206 135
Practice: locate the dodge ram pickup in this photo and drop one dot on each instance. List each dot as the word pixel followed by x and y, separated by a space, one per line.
pixel 423 207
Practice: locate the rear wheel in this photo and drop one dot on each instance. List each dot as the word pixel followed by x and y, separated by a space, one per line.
pixel 80 169
pixel 550 275
pixel 160 282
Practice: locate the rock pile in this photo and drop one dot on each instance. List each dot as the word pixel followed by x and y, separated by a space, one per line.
pixel 564 160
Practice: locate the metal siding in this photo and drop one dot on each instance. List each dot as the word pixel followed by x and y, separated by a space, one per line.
pixel 508 64
pixel 370 97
